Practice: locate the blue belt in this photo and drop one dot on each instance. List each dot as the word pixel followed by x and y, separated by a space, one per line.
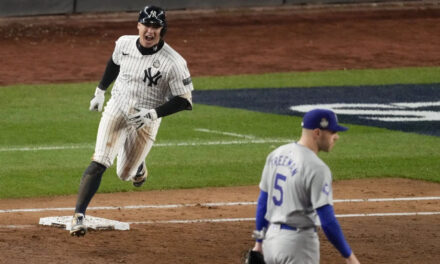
pixel 288 227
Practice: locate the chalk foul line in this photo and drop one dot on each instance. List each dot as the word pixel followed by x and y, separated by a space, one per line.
pixel 249 219
pixel 400 199
pixel 222 220
pixel 166 206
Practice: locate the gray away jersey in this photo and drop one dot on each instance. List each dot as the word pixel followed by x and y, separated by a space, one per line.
pixel 297 182
pixel 148 81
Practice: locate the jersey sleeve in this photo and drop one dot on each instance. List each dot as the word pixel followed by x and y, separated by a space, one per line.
pixel 117 54
pixel 321 187
pixel 265 176
pixel 180 79
pixel 332 230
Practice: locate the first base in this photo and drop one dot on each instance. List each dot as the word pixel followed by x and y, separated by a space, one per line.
pixel 92 222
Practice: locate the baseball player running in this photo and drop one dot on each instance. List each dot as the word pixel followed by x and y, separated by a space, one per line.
pixel 152 81
pixel 296 196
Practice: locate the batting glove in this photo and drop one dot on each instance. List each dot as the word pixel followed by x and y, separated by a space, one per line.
pixel 142 117
pixel 97 102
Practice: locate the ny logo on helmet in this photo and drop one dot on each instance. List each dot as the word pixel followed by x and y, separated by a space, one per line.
pixel 152 79
pixel 152 14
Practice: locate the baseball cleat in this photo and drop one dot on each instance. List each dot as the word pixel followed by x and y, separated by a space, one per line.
pixel 141 176
pixel 78 228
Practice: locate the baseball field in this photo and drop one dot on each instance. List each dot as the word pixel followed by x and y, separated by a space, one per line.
pixel 255 71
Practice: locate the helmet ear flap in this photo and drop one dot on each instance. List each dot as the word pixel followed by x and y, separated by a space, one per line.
pixel 163 31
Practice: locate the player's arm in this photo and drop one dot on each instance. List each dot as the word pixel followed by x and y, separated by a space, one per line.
pixel 180 85
pixel 260 221
pixel 174 105
pixel 110 74
pixel 333 232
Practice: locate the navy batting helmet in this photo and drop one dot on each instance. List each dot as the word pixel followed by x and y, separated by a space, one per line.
pixel 153 16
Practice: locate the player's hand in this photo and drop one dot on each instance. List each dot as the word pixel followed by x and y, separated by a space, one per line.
pixel 352 259
pixel 254 257
pixel 258 247
pixel 97 102
pixel 142 117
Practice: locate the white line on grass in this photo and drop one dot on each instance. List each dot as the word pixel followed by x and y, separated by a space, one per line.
pixel 38 148
pixel 224 133
pixel 229 142
pixel 173 144
pixel 167 206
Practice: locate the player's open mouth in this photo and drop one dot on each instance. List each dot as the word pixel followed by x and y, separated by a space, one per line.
pixel 149 38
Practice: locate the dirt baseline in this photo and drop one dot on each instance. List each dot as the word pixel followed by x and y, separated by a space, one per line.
pixel 76 49
pixel 375 239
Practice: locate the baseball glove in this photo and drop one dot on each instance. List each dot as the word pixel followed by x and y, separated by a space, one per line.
pixel 254 257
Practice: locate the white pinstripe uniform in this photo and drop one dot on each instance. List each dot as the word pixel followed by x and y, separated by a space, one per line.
pixel 144 81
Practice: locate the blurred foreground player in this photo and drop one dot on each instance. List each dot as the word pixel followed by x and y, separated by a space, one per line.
pixel 296 197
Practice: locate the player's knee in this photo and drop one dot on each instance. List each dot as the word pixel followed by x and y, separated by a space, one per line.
pixel 124 173
pixel 95 169
pixel 104 160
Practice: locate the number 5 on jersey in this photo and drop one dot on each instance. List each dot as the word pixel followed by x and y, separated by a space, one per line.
pixel 278 179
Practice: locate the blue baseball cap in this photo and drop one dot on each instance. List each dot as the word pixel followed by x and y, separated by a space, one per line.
pixel 322 119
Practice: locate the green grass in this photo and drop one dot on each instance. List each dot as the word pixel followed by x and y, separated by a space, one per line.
pixel 36 116
pixel 416 75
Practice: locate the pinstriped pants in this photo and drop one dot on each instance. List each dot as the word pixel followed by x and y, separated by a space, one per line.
pixel 117 138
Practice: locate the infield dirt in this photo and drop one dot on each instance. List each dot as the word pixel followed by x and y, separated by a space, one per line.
pixel 76 48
